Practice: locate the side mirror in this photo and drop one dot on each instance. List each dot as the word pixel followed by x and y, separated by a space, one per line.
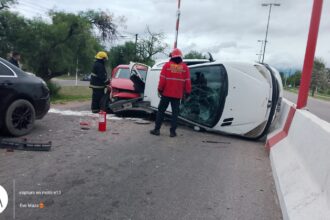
pixel 210 57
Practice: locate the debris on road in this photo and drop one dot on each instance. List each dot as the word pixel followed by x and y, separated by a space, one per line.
pixel 142 122
pixel 84 125
pixel 24 145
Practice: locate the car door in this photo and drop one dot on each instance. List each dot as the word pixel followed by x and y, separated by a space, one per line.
pixel 206 102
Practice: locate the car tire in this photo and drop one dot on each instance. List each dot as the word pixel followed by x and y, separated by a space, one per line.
pixel 20 117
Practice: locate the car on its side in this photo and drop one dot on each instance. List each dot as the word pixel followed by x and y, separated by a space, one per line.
pixel 235 98
pixel 24 98
pixel 126 85
pixel 122 86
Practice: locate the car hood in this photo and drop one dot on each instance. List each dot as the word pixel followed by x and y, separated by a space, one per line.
pixel 126 84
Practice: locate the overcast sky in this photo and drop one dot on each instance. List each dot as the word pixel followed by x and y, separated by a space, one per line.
pixel 230 30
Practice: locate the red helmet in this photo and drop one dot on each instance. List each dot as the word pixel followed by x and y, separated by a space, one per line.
pixel 176 53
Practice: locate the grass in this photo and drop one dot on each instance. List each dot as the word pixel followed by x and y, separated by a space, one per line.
pixel 317 96
pixel 72 93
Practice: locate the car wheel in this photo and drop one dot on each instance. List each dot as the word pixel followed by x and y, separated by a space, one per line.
pixel 20 117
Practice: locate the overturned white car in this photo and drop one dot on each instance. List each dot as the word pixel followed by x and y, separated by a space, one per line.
pixel 230 97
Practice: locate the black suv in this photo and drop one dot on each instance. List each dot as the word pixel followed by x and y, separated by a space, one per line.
pixel 23 99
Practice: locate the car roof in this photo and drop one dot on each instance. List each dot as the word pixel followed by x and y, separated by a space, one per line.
pixel 126 66
pixel 14 68
pixel 159 64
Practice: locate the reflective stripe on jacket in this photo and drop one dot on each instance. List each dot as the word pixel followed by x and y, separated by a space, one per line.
pixel 174 80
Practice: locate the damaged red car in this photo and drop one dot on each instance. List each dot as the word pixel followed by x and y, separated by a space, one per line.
pixel 121 86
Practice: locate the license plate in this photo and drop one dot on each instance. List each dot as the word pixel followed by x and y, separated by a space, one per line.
pixel 127 105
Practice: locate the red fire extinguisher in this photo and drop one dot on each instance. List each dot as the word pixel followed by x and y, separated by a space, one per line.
pixel 102 121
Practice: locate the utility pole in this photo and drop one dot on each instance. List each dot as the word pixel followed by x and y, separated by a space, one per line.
pixel 177 25
pixel 260 53
pixel 136 40
pixel 270 11
pixel 77 73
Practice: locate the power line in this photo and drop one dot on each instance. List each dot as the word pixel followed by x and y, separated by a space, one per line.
pixel 33 7
pixel 48 7
pixel 22 8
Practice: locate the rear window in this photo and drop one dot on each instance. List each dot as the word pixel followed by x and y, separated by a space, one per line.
pixel 125 74
pixel 5 71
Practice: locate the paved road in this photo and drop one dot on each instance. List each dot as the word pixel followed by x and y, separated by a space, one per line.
pixel 66 82
pixel 127 174
pixel 318 107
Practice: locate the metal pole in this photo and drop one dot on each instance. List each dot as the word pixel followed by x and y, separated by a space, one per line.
pixel 260 53
pixel 310 54
pixel 77 73
pixel 136 40
pixel 177 25
pixel 265 42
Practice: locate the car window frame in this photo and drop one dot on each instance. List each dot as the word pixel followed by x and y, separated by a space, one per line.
pixel 8 76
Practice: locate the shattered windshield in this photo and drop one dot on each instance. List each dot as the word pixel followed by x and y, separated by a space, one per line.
pixel 209 88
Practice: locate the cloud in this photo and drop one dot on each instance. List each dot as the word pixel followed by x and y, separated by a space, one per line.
pixel 229 29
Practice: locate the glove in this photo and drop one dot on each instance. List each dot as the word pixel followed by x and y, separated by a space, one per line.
pixel 107 82
pixel 160 93
pixel 185 97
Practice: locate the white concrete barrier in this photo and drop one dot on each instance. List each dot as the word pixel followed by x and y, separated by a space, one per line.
pixel 301 166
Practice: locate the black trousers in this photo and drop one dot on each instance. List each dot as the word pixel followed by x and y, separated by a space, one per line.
pixel 96 99
pixel 164 102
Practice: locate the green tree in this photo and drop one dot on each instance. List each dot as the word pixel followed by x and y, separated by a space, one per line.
pixel 294 80
pixel 194 55
pixel 149 46
pixel 4 4
pixel 123 54
pixel 50 49
pixel 319 76
pixel 104 22
pixel 12 29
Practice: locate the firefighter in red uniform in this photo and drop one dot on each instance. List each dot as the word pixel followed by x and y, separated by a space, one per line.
pixel 174 84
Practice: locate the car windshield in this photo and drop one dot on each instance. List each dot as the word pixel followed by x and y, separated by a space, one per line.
pixel 125 74
pixel 206 101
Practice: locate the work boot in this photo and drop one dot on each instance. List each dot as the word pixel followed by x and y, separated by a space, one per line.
pixel 172 134
pixel 155 132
